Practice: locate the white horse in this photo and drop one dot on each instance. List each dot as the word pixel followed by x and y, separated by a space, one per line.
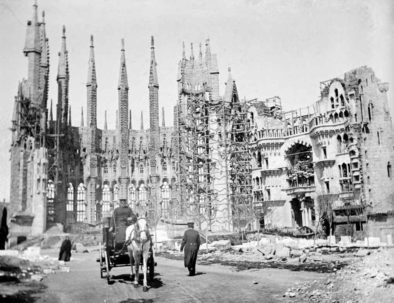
pixel 139 245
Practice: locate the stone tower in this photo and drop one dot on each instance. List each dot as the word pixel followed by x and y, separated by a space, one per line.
pixel 153 110
pixel 28 152
pixel 123 131
pixel 89 145
pixel 59 175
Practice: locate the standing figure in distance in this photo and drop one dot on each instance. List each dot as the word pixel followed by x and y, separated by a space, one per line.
pixel 191 244
pixel 65 250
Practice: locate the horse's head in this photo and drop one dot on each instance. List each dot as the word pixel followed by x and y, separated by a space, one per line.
pixel 142 229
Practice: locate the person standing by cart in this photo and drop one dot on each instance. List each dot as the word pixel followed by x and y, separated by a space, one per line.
pixel 191 244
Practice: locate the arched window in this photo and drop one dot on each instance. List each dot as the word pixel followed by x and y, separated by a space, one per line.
pixel 142 193
pixel 344 170
pixel 70 198
pixel 342 100
pixel 51 202
pixel 116 193
pixel 106 199
pixel 132 197
pixel 164 165
pixel 389 173
pixel 332 102
pixel 369 111
pixel 339 144
pixel 259 160
pixel 165 196
pixel 141 169
pixel 81 205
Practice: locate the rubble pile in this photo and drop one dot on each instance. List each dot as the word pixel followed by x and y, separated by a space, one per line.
pixel 369 278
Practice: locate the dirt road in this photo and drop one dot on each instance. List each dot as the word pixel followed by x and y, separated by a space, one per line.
pixel 213 283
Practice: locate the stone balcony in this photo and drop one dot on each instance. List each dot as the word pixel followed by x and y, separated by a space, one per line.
pixel 301 189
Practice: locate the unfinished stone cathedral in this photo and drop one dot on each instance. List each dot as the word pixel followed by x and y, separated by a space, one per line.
pixel 226 164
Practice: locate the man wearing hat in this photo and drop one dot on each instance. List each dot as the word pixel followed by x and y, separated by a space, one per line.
pixel 191 244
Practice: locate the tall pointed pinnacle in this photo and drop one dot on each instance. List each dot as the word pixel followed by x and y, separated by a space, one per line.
pixel 62 71
pixel 142 120
pixel 32 43
pixel 123 83
pixel 200 53
pixel 183 50
pixel 207 51
pixel 91 87
pixel 69 116
pixel 105 121
pixel 163 121
pixel 130 122
pixel 32 51
pixel 51 112
pixel 82 120
pixel 191 52
pixel 153 80
pixel 92 65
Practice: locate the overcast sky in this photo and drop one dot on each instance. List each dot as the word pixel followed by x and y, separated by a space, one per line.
pixel 274 48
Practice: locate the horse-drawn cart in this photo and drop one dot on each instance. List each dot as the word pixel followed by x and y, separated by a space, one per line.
pixel 113 252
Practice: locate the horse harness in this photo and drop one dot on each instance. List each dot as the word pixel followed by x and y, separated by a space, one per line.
pixel 137 234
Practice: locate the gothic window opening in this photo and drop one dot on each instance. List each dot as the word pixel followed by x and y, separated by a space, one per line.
pixel 141 169
pixel 370 112
pixel 165 195
pixel 324 149
pixel 142 193
pixel 164 165
pixel 378 134
pixel 81 205
pixel 116 193
pixel 106 199
pixel 389 172
pixel 51 202
pixel 132 195
pixel 70 198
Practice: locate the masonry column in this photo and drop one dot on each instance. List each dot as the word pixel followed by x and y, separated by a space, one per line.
pixel 123 131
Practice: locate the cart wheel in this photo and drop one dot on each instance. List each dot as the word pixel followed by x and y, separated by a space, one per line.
pixel 102 267
pixel 151 267
pixel 107 266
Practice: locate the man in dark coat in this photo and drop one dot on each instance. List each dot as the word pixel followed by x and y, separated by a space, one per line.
pixel 65 250
pixel 191 244
pixel 119 221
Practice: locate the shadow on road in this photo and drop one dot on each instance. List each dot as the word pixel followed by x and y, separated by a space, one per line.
pixel 126 278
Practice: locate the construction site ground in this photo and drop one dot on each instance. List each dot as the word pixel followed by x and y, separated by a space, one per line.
pixel 249 272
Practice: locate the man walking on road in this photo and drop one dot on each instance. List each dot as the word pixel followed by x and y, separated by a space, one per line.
pixel 191 244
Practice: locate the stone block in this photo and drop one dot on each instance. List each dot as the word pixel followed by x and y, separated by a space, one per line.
pixel 372 241
pixel 264 241
pixel 221 244
pixel 282 252
pixel 345 240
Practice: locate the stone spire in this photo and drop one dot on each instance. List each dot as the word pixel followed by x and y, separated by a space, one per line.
pixel 91 86
pixel 142 120
pixel 32 51
pixel 191 52
pixel 207 51
pixel 105 121
pixel 44 63
pixel 123 83
pixel 82 123
pixel 69 116
pixel 153 80
pixel 51 112
pixel 183 50
pixel 63 82
pixel 130 122
pixel 163 118
pixel 153 110
pixel 200 54
pixel 123 131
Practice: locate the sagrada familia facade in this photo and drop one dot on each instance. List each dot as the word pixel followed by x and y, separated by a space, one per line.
pixel 228 164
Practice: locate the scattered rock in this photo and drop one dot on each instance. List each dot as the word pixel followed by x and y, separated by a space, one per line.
pixel 302 258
